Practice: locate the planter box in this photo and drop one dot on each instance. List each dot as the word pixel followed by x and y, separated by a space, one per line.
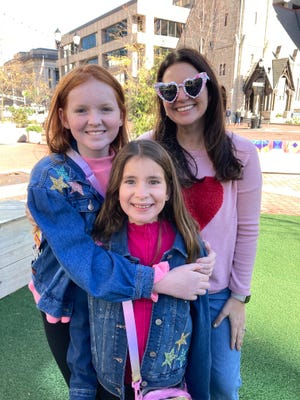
pixel 34 137
pixel 16 243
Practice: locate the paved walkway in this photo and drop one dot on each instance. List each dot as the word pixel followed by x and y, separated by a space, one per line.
pixel 281 171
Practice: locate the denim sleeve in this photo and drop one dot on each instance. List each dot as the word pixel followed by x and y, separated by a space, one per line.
pixel 55 300
pixel 99 272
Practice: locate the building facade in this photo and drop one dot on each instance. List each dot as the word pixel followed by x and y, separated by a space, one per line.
pixel 257 62
pixel 41 63
pixel 138 29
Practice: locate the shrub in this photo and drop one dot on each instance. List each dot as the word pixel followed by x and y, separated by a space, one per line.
pixel 34 128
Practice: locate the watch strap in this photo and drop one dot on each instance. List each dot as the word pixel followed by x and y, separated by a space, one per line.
pixel 241 298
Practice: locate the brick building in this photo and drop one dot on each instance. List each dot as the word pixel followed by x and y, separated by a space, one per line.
pixel 257 63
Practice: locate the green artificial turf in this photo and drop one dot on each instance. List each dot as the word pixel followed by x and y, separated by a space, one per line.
pixel 271 352
pixel 27 368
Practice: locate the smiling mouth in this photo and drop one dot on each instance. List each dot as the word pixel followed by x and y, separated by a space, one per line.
pixel 142 206
pixel 185 108
pixel 94 133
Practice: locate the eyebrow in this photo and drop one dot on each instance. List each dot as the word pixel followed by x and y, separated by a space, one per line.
pixel 150 176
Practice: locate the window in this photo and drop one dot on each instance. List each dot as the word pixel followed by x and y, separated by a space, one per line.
pixel 298 90
pixel 183 3
pixel 56 73
pixel 114 32
pixel 139 22
pixel 161 51
pixel 167 28
pixel 108 60
pixel 89 42
pixel 222 69
pixel 226 19
pixel 93 60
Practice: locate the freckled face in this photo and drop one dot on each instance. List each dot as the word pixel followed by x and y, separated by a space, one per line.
pixel 93 116
pixel 185 110
pixel 143 190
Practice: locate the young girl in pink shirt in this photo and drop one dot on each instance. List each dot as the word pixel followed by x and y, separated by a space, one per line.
pixel 144 219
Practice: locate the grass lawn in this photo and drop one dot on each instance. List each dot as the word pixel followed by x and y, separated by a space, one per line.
pixel 271 352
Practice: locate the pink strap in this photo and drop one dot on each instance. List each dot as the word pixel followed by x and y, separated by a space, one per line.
pixel 76 157
pixel 166 393
pixel 132 346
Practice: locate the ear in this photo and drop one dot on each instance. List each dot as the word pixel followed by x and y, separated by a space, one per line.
pixel 62 118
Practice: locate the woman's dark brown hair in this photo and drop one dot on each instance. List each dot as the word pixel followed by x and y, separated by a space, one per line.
pixel 218 144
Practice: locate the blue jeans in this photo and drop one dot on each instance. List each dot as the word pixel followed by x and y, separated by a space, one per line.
pixel 225 372
pixel 83 380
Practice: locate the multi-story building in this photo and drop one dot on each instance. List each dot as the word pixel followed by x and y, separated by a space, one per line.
pixel 257 62
pixel 39 62
pixel 139 29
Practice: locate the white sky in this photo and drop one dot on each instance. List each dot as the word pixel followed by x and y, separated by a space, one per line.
pixel 29 24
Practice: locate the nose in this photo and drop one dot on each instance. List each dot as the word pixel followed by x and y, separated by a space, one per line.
pixel 95 118
pixel 141 190
pixel 181 95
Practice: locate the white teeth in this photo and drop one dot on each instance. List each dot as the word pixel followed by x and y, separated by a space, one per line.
pixel 186 108
pixel 142 206
pixel 94 133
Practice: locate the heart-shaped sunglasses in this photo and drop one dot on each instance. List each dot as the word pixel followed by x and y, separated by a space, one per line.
pixel 192 87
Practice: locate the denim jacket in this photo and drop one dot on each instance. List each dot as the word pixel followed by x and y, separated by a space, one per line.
pixel 165 358
pixel 64 206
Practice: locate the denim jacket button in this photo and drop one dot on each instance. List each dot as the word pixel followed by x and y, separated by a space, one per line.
pixel 90 206
pixel 152 354
pixel 144 384
pixel 158 322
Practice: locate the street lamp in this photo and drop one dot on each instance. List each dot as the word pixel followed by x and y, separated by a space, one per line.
pixel 76 41
pixel 68 51
pixel 57 38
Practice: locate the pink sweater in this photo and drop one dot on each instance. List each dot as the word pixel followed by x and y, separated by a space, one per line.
pixel 228 214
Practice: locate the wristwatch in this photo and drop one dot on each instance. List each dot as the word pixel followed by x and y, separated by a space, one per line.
pixel 241 298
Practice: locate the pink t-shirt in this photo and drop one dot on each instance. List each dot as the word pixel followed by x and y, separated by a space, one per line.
pixel 144 243
pixel 101 168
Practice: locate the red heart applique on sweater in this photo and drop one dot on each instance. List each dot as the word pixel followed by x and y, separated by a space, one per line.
pixel 204 199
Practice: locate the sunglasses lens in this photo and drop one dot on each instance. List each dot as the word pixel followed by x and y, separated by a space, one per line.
pixel 193 86
pixel 168 91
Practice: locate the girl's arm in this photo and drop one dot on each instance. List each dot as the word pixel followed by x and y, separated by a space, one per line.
pixel 99 272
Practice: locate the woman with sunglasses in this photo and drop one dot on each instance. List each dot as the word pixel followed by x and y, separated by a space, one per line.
pixel 221 181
